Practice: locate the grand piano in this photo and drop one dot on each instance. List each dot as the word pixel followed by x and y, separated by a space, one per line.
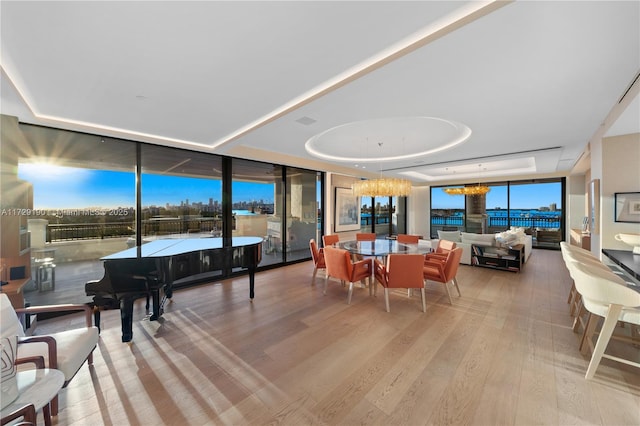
pixel 154 268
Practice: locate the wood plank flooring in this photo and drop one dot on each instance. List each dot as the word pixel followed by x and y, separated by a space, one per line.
pixel 502 354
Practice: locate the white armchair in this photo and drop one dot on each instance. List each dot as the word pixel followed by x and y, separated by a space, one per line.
pixel 65 350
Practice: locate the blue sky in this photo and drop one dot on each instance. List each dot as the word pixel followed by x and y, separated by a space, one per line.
pixel 66 187
pixel 530 196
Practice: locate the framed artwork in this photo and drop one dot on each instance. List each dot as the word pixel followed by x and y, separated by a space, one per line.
pixel 627 207
pixel 347 210
pixel 594 206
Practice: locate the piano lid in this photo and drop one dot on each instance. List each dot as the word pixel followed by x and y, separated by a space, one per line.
pixel 176 246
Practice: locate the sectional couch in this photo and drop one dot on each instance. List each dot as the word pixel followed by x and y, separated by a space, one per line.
pixel 466 239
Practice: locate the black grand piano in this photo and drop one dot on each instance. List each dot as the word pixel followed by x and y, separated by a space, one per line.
pixel 152 269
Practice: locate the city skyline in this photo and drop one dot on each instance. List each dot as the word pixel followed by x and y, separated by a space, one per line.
pixel 56 187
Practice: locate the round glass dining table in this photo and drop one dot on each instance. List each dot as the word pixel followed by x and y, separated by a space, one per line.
pixel 382 247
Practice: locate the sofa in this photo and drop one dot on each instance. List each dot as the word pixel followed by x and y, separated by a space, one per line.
pixel 466 239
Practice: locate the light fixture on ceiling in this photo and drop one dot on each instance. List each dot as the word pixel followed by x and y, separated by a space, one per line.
pixel 382 187
pixel 469 190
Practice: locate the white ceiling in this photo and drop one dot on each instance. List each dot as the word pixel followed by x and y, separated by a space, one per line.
pixel 533 81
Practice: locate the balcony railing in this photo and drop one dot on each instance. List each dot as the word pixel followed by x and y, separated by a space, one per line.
pixel 86 231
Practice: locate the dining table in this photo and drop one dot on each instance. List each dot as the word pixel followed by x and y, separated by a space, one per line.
pixel 382 247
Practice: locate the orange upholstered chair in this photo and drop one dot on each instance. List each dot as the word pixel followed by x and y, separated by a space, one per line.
pixel 408 239
pixel 329 240
pixel 401 271
pixel 318 259
pixel 444 271
pixel 442 250
pixel 365 236
pixel 340 266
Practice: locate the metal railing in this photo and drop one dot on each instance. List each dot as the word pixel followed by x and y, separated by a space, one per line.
pixel 87 231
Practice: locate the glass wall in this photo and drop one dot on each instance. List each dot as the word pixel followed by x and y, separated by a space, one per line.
pixel 83 208
pixel 84 197
pixel 302 212
pixel 181 193
pixel 536 205
pixel 257 197
pixel 366 214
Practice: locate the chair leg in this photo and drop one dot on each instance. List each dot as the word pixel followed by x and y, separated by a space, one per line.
pixel 580 312
pixel 350 293
pixel 605 334
pixel 326 280
pixel 589 330
pixel 386 299
pixel 53 406
pixel 571 292
pixel 313 277
pixel 455 282
pixel 46 413
pixel 446 287
pixel 424 301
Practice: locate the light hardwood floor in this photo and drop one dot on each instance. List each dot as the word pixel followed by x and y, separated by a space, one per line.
pixel 503 354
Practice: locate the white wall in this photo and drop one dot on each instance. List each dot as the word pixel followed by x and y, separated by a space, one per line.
pixel 576 202
pixel 418 211
pixel 620 173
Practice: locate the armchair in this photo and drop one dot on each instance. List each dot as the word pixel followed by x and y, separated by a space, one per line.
pixel 340 266
pixel 27 413
pixel 66 350
pixel 445 271
pixel 401 271
pixel 317 255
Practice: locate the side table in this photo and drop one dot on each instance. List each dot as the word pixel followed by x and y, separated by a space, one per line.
pixel 37 387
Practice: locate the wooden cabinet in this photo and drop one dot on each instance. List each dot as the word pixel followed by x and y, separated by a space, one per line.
pixel 577 238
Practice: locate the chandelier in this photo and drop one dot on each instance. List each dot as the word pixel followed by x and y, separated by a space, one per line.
pixel 469 190
pixel 382 187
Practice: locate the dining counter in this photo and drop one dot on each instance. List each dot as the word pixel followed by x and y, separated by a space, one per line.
pixel 628 261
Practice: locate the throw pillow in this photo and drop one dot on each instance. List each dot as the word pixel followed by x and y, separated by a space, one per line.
pixel 450 236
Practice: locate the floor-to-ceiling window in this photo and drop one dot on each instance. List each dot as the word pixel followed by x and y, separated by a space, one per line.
pixel 535 205
pixel 181 193
pixel 84 207
pixel 88 203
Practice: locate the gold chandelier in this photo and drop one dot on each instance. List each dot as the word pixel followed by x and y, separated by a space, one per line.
pixel 468 190
pixel 382 187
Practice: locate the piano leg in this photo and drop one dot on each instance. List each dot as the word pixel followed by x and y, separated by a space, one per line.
pixel 252 273
pixel 96 317
pixel 157 309
pixel 126 317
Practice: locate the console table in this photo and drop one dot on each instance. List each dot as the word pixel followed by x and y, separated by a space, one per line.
pixel 487 257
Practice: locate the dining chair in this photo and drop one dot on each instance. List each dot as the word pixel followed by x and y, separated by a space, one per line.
pixel 26 414
pixel 66 350
pixel 606 299
pixel 365 236
pixel 401 271
pixel 408 239
pixel 341 267
pixel 445 271
pixel 317 255
pixel 329 240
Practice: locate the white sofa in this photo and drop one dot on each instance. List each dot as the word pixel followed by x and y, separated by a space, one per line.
pixel 466 239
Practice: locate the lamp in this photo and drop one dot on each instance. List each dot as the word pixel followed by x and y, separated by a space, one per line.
pixel 469 190
pixel 382 187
